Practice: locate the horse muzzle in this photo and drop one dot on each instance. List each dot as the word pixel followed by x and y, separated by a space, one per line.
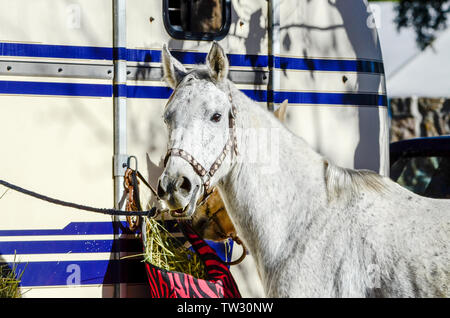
pixel 180 195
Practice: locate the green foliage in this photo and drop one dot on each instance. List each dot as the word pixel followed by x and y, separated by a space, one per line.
pixel 426 17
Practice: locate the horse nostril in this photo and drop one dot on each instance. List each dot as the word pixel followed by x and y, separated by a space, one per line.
pixel 186 184
pixel 161 191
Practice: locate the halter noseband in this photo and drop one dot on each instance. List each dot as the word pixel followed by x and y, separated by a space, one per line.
pixel 204 174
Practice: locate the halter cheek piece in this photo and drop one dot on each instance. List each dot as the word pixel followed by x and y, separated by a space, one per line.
pixel 204 174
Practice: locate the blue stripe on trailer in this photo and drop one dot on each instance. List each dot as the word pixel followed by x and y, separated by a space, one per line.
pixel 56 51
pixel 248 60
pixel 147 56
pixel 140 55
pixel 73 228
pixel 163 92
pixel 70 246
pixel 120 90
pixel 93 272
pixel 107 53
pixel 81 228
pixel 331 98
pixel 329 65
pixel 99 90
pixel 120 53
pixel 160 92
pixel 256 95
pixel 243 60
pixel 57 89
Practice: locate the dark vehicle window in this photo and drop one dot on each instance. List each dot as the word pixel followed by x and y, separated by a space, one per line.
pixel 427 176
pixel 197 19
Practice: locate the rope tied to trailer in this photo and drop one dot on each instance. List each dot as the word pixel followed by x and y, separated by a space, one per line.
pixel 131 185
pixel 153 212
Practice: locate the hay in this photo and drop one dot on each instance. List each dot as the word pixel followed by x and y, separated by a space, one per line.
pixel 9 278
pixel 9 281
pixel 164 250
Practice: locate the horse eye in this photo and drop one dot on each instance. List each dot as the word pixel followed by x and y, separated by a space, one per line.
pixel 216 117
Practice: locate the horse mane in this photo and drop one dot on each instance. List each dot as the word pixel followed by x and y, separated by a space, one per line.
pixel 343 183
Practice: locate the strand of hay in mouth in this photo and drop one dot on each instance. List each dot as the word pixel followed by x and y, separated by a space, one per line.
pixel 164 250
pixel 9 281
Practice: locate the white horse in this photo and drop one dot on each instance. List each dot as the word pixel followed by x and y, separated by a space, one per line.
pixel 326 231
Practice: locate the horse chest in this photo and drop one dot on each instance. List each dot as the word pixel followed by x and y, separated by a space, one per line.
pixel 323 262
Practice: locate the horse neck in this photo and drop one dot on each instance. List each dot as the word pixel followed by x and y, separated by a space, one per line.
pixel 266 202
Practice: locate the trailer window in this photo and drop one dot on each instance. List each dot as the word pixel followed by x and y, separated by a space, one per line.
pixel 197 19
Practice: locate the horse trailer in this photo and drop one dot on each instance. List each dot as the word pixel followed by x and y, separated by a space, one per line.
pixel 81 90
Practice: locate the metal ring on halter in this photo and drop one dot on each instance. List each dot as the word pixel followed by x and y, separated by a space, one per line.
pixel 244 252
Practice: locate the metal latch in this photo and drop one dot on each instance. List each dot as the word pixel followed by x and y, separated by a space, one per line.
pixel 120 165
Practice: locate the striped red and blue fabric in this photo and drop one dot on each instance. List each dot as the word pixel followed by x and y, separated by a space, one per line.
pixel 219 283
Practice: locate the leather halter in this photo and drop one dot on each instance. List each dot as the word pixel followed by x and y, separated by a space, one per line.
pixel 204 174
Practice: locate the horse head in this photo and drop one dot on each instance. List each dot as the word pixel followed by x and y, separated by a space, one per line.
pixel 200 120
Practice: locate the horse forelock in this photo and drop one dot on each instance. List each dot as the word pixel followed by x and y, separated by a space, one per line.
pixel 342 183
pixel 199 72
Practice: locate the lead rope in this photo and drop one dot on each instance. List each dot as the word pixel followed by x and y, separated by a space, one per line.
pixel 133 200
pixel 131 186
pixel 148 213
pixel 130 173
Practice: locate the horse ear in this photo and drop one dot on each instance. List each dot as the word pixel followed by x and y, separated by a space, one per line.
pixel 280 113
pixel 173 70
pixel 217 62
pixel 153 171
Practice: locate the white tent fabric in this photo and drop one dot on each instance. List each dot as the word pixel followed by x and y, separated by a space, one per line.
pixel 427 74
pixel 409 71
